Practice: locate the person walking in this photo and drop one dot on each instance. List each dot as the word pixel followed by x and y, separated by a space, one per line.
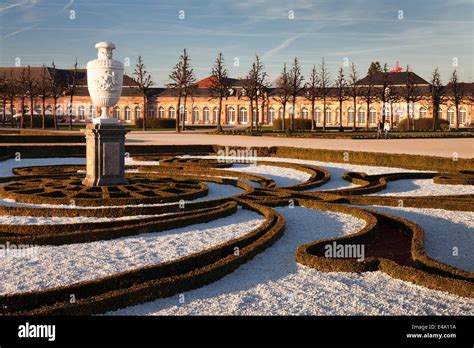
pixel 379 129
pixel 386 129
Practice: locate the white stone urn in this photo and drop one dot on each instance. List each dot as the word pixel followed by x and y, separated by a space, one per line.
pixel 104 81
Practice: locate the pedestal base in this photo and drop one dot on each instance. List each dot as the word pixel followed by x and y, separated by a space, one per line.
pixel 105 154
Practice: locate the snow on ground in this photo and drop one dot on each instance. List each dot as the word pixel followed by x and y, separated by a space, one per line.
pixel 281 176
pixel 335 169
pixel 51 266
pixel 444 230
pixel 423 187
pixel 274 284
pixel 7 166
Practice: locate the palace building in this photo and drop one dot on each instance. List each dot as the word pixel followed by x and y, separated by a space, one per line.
pixel 202 109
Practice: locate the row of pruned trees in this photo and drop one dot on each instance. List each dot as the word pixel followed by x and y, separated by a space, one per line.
pixel 29 88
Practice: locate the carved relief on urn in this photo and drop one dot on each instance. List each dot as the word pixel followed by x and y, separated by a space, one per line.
pixel 104 80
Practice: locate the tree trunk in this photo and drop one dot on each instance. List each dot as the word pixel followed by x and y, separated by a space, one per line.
pixel 355 114
pixel 283 118
pixel 43 114
pixel 219 126
pixel 324 114
pixel 144 113
pixel 457 117
pixel 367 116
pixel 55 116
pixel 31 112
pixel 178 129
pixel 293 115
pixel 22 114
pixel 341 129
pixel 435 115
pixel 312 114
pixel 71 108
pixel 4 101
pixel 185 113
pixel 256 113
pixel 251 115
pixel 12 102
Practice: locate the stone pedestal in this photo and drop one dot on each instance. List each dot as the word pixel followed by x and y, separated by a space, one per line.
pixel 105 154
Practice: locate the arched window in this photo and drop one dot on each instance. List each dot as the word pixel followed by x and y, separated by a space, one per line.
pixel 254 114
pixel 128 114
pixel 216 115
pixel 49 110
pixel 243 115
pixel 304 113
pixel 350 116
pixel 422 112
pixel 290 111
pixel 161 112
pixel 361 115
pixel 280 113
pixel 205 113
pixel 372 116
pixel 463 116
pixel 117 113
pixel 440 113
pixel 451 115
pixel 317 115
pixel 195 115
pixel 271 115
pixel 230 115
pixel 138 113
pixel 171 112
pixel 338 112
pixel 151 112
pixel 398 114
pixel 82 113
pixel 328 115
pixel 92 112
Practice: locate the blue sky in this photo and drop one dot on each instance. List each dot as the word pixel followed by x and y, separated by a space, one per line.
pixel 431 33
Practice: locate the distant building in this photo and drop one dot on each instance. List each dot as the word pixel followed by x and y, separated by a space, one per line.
pixel 203 110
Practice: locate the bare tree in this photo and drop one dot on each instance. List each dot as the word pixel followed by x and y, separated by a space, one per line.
pixel 411 94
pixel 456 93
pixel 56 90
pixel 283 92
pixel 30 85
pixel 296 84
pixel 368 94
pixel 184 83
pixel 143 80
pixel 324 85
pixel 386 90
pixel 70 90
pixel 221 84
pixel 22 92
pixel 43 91
pixel 437 94
pixel 311 92
pixel 354 91
pixel 255 87
pixel 4 95
pixel 12 92
pixel 342 93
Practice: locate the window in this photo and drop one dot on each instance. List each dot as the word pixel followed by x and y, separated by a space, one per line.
pixel 231 115
pixel 398 114
pixel 271 115
pixel 117 113
pixel 361 115
pixel 372 116
pixel 205 113
pixel 338 114
pixel 128 114
pixel 161 112
pixel 49 110
pixel 216 115
pixel 171 112
pixel 350 116
pixel 328 115
pixel 440 113
pixel 451 114
pixel 195 115
pixel 243 115
pixel 82 113
pixel 422 112
pixel 280 113
pixel 151 113
pixel 59 110
pixel 304 113
pixel 254 114
pixel 317 115
pixel 92 112
pixel 138 113
pixel 290 111
pixel 463 116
